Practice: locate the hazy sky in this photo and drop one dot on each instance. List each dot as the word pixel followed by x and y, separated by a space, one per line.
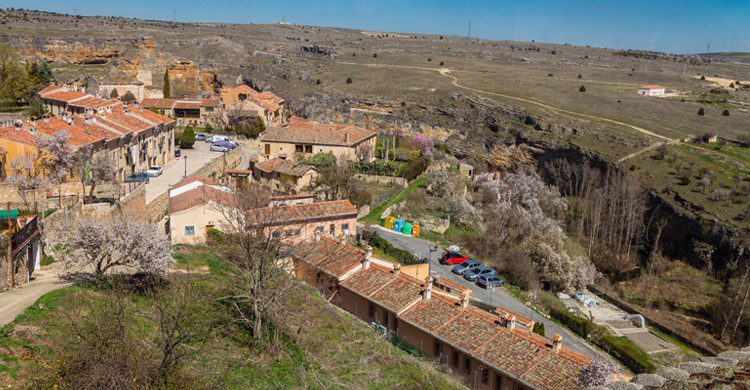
pixel 677 26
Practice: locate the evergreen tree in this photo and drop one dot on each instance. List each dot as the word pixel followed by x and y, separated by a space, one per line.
pixel 166 90
pixel 128 97
pixel 46 72
pixel 701 111
pixel 114 94
pixel 187 139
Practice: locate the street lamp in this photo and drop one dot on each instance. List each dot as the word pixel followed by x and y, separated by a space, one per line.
pixel 185 159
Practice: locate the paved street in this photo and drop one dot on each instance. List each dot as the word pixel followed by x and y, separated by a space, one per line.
pixel 498 297
pixel 175 170
pixel 13 302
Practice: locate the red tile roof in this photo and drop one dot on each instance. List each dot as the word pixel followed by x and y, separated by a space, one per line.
pixel 187 104
pixel 210 102
pixel 160 103
pixel 22 135
pixel 286 167
pixel 651 87
pixel 330 256
pixel 393 291
pixel 65 95
pixel 305 212
pixel 300 131
pixel 206 191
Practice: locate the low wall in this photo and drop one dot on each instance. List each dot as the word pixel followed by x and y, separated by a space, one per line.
pixel 134 203
pixel 399 181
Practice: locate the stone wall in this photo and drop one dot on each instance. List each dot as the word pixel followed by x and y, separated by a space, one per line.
pixel 134 203
pixel 399 181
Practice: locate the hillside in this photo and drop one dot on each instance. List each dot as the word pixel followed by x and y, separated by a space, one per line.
pixel 314 345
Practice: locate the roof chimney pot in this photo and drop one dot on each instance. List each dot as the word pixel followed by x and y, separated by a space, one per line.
pixel 557 342
pixel 464 302
pixel 368 258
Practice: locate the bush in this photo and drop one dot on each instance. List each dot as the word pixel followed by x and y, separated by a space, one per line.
pixel 348 80
pixel 402 256
pixel 549 75
pixel 579 76
pixel 215 237
pixel 429 59
pixel 375 55
pixel 579 325
pixel 701 111
pixel 628 353
pixel 128 97
pixel 317 81
pixel 725 113
pixel 582 89
pixel 321 160
pixel 415 168
pixel 539 328
pixel 442 63
pixel 379 167
pixel 187 139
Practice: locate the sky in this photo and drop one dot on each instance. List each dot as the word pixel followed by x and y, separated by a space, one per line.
pixel 674 26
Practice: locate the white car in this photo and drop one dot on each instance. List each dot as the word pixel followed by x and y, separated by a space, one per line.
pixel 219 148
pixel 216 138
pixel 154 171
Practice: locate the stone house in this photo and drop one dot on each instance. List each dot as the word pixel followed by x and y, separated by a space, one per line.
pixel 195 112
pixel 485 350
pixel 295 223
pixel 243 102
pixel 196 206
pixel 285 174
pixel 301 138
pixel 71 99
pixel 26 250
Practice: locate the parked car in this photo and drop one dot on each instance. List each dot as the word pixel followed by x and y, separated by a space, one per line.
pixel 200 137
pixel 465 266
pixel 177 153
pixel 452 258
pixel 138 177
pixel 491 281
pixel 227 144
pixel 154 171
pixel 217 138
pixel 216 147
pixel 477 272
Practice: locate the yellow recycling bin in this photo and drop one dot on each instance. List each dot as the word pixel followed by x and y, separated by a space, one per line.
pixel 389 222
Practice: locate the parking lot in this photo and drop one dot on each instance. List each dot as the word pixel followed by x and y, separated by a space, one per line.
pixel 197 157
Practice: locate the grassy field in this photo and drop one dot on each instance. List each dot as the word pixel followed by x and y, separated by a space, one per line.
pixel 318 345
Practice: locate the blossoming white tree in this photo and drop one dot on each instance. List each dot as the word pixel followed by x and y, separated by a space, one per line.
pixel 100 244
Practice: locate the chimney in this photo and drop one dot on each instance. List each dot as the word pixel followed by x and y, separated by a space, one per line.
pixel 368 258
pixel 427 292
pixel 316 235
pixel 464 302
pixel 557 342
pixel 396 268
pixel 32 120
pixel 511 322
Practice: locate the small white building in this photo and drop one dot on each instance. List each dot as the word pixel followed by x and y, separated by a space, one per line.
pixel 651 90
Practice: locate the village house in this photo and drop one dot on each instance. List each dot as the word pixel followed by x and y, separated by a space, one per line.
pixel 485 350
pixel 651 90
pixel 195 112
pixel 25 242
pixel 295 223
pixel 71 99
pixel 132 138
pixel 105 89
pixel 301 138
pixel 283 174
pixel 243 102
pixel 197 205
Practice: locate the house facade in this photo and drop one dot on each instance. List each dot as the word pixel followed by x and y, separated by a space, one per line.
pixel 282 174
pixel 485 350
pixel 295 223
pixel 301 138
pixel 194 112
pixel 25 233
pixel 651 90
pixel 243 102
pixel 197 205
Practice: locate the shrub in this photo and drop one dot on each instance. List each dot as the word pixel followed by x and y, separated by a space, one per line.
pixel 415 168
pixel 375 55
pixel 402 256
pixel 582 89
pixel 128 97
pixel 579 76
pixel 701 111
pixel 187 139
pixel 703 77
pixel 553 52
pixel 725 113
pixel 348 80
pixel 549 75
pixel 429 59
pixel 320 160
pixel 403 104
pixel 442 63
pixel 577 324
pixel 317 82
pixel 539 328
pixel 628 353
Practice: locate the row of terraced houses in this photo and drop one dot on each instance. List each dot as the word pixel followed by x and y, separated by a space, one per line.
pixel 132 137
pixel 486 350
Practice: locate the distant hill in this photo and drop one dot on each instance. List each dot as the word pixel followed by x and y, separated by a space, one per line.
pixel 730 56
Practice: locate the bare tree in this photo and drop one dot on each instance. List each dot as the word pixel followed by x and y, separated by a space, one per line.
pixel 25 176
pixel 101 244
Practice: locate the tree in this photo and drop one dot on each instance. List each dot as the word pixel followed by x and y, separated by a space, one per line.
pixel 348 80
pixel 375 55
pixel 579 76
pixel 582 89
pixel 36 108
pixel 14 83
pixel 26 176
pixel 701 111
pixel 187 139
pixel 56 156
pixel 114 94
pixel 251 128
pixel 725 113
pixel 317 82
pixel 166 90
pixel 595 374
pixel 703 77
pixel 100 244
pixel 128 97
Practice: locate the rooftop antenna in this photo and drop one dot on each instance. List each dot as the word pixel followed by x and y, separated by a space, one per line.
pixel 468 29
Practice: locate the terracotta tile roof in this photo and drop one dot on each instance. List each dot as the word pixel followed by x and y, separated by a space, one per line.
pixel 22 135
pixel 49 88
pixel 195 191
pixel 160 103
pixel 123 119
pixel 330 256
pixel 150 116
pixel 93 102
pixel 187 104
pixel 266 100
pixel 393 291
pixel 501 311
pixel 210 102
pixel 300 131
pixel 286 167
pixel 305 212
pixel 65 95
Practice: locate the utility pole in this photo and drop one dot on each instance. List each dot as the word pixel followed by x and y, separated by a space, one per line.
pixel 12 267
pixel 468 29
pixel 174 15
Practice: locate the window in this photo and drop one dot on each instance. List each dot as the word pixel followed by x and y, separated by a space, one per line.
pixel 189 230
pixel 308 148
pixel 395 324
pixel 438 347
pixel 267 148
pixel 498 382
pixel 371 310
pixel 455 359
pixel 467 364
pixel 385 319
pixel 485 375
pixel 332 230
pixel 242 96
pixel 299 148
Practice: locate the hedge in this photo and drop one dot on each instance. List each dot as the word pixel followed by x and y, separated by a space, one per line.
pixel 579 325
pixel 628 353
pixel 402 256
pixel 539 328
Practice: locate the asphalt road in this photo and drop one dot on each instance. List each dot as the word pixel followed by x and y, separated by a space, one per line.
pixel 175 170
pixel 498 297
